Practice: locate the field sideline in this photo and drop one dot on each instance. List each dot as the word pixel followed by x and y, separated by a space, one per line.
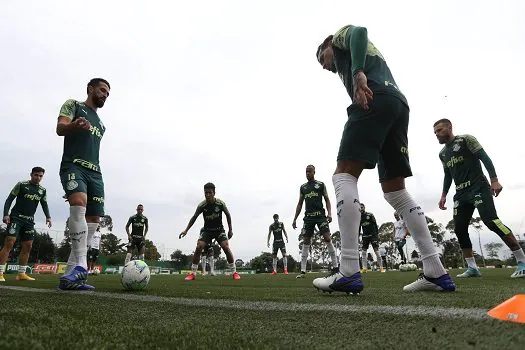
pixel 259 311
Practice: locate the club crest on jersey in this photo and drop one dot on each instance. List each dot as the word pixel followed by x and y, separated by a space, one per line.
pixel 40 192
pixel 456 147
pixel 368 217
pixel 217 209
pixel 71 185
pixel 316 186
pixel 142 220
pixel 12 231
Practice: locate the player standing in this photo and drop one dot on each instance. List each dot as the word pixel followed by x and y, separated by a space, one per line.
pixel 375 133
pixel 461 157
pixel 94 250
pixel 211 209
pixel 81 176
pixel 312 194
pixel 277 228
pixel 137 238
pixel 400 234
pixel 21 223
pixel 370 234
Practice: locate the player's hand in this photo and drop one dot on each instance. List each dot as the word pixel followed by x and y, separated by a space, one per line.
pixel 294 225
pixel 268 244
pixel 81 123
pixel 442 202
pixel 230 234
pixel 362 93
pixel 182 234
pixel 129 238
pixel 6 220
pixel 48 222
pixel 496 188
pixel 329 218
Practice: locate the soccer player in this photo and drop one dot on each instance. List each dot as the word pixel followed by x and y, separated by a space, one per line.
pixel 461 156
pixel 94 250
pixel 370 233
pixel 382 252
pixel 312 194
pixel 375 133
pixel 277 228
pixel 400 235
pixel 21 223
pixel 211 209
pixel 208 256
pixel 81 176
pixel 139 229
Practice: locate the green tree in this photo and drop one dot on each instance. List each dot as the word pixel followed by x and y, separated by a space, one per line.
pixel 437 231
pixel 179 260
pixel 151 253
pixel 493 249
pixel 111 244
pixel 262 263
pixel 44 249
pixel 106 222
pixel 414 255
pixel 318 251
pixel 221 264
pixel 62 252
pixel 452 254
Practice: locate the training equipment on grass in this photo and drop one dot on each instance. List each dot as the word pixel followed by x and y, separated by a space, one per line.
pixel 512 310
pixel 135 275
pixel 407 267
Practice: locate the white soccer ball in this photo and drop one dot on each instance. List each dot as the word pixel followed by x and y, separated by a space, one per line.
pixel 135 275
pixel 412 267
pixel 96 271
pixel 403 267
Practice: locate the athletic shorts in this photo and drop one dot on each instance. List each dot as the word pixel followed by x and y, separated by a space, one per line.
pixel 22 229
pixel 209 235
pixel 310 223
pixel 372 240
pixel 279 245
pixel 75 178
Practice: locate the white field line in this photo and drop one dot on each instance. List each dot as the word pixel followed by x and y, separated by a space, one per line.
pixel 406 310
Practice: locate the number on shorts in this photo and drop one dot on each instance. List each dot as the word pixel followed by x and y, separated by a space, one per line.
pixel 71 176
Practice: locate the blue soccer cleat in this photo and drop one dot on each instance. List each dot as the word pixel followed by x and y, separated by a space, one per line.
pixel 337 282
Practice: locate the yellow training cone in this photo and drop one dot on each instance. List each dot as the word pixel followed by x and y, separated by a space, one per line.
pixel 512 310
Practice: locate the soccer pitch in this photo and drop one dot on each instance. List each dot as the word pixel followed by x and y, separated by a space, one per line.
pixel 257 312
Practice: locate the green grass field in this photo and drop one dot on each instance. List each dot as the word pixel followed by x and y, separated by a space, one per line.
pixel 257 312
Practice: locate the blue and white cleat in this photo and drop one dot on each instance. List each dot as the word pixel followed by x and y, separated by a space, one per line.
pixel 520 271
pixel 337 282
pixel 470 272
pixel 75 280
pixel 424 283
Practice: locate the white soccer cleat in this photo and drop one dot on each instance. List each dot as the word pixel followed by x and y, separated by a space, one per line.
pixel 337 282
pixel 520 271
pixel 301 275
pixel 424 283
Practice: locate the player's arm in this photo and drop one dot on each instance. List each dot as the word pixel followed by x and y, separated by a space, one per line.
pixel 7 205
pixel 298 209
pixel 328 204
pixel 475 147
pixel 146 225
pixel 374 222
pixel 269 235
pixel 447 181
pixel 285 234
pixel 127 227
pixel 198 211
pixel 228 220
pixel 45 208
pixel 66 119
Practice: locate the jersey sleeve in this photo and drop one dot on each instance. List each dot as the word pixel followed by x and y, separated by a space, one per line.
pixel 130 220
pixel 225 208
pixel 68 109
pixel 198 211
pixel 325 192
pixel 472 144
pixel 16 190
pixel 340 38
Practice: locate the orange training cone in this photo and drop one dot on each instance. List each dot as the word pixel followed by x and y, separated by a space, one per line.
pixel 512 310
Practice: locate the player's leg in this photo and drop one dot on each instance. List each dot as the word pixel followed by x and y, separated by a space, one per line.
pixel 274 258
pixel 375 246
pixel 142 249
pixel 203 240
pixel 324 229
pixel 463 211
pixel 308 232
pixel 26 242
pixel 487 211
pixel 9 242
pixel 222 239
pixel 211 262
pixel 285 258
pixel 393 168
pixel 204 258
pixel 399 245
pixel 364 250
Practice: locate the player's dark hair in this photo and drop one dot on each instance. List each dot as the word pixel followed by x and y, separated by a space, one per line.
pixel 209 186
pixel 310 166
pixel 140 205
pixel 38 169
pixel 95 81
pixel 275 216
pixel 443 120
pixel 323 46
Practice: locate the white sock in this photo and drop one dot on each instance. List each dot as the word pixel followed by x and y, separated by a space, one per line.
pixel 416 222
pixel 233 267
pixel 194 268
pixel 471 262
pixel 203 263
pixel 304 256
pixel 128 258
pixel 22 268
pixel 92 227
pixel 211 261
pixel 285 262
pixel 2 268
pixel 349 218
pixel 274 262
pixel 379 260
pixel 331 252
pixel 78 228
pixel 364 259
pixel 519 255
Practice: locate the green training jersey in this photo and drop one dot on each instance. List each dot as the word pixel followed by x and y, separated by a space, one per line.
pixel 313 192
pixel 82 147
pixel 459 158
pixel 277 230
pixel 138 225
pixel 369 225
pixel 212 214
pixel 380 79
pixel 27 196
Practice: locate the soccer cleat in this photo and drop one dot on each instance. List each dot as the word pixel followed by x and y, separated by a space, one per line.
pixel 337 282
pixel 470 272
pixel 24 277
pixel 274 272
pixel 236 276
pixel 213 274
pixel 364 270
pixel 301 275
pixel 68 285
pixel 382 270
pixel 75 280
pixel 190 277
pixel 2 279
pixel 520 271
pixel 424 283
pixel 285 271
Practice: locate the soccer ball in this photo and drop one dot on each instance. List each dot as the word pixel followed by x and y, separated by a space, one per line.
pixel 135 275
pixel 407 267
pixel 96 271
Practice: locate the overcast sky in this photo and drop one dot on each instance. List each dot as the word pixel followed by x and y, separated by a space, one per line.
pixel 230 92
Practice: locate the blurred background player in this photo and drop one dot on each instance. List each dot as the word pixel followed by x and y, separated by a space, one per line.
pixel 277 228
pixel 94 250
pixel 21 222
pixel 81 176
pixel 312 194
pixel 208 255
pixel 382 252
pixel 461 157
pixel 137 238
pixel 370 234
pixel 400 235
pixel 211 209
